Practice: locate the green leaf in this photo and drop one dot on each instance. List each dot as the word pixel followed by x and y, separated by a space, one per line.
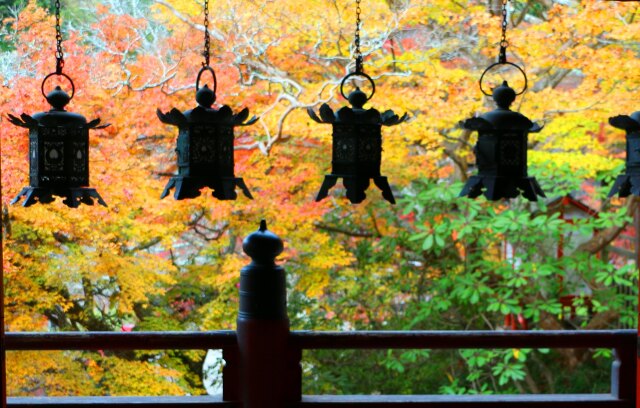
pixel 427 243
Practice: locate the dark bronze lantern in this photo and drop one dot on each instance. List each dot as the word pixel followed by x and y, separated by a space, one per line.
pixel 58 146
pixel 205 142
pixel 205 147
pixel 629 182
pixel 357 145
pixel 501 150
pixel 357 138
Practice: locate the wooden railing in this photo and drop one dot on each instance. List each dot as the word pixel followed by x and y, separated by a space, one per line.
pixel 623 379
pixel 262 358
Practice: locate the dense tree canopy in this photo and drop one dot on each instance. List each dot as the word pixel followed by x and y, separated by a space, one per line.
pixel 433 261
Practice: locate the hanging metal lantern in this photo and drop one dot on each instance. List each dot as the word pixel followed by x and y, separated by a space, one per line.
pixel 205 141
pixel 205 147
pixel 357 144
pixel 629 182
pixel 58 146
pixel 357 137
pixel 501 150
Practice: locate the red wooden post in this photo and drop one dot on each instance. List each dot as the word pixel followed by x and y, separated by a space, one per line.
pixel 623 383
pixel 231 374
pixel 636 227
pixel 266 360
pixel 3 355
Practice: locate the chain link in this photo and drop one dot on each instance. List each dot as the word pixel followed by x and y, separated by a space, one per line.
pixel 358 53
pixel 503 40
pixel 59 52
pixel 207 40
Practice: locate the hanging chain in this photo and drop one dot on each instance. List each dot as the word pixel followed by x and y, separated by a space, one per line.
pixel 358 53
pixel 59 53
pixel 502 58
pixel 207 40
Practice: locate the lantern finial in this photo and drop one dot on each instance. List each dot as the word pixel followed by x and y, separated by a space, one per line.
pixel 357 98
pixel 205 97
pixel 58 98
pixel 504 95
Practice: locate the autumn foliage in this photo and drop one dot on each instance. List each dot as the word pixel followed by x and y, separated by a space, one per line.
pixel 157 264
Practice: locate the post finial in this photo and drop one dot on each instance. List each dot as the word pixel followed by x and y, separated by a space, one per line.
pixel 263 246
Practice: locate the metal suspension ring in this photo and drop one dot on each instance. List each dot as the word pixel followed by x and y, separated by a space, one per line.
pixel 362 74
pixel 213 73
pixel 504 63
pixel 62 74
pixel 502 56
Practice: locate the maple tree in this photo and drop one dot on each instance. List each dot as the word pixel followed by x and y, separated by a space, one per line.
pixel 174 265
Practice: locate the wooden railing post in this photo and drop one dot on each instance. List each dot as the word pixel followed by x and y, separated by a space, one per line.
pixel 623 373
pixel 231 374
pixel 263 327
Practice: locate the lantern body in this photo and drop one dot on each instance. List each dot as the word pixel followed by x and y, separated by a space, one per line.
pixel 58 155
pixel 501 153
pixel 205 150
pixel 59 150
pixel 357 147
pixel 629 182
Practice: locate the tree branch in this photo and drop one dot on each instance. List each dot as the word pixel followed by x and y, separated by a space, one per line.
pixel 451 150
pixel 215 34
pixel 598 242
pixel 144 245
pixel 339 230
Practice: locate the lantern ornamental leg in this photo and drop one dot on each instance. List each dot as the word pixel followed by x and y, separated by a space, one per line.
pixel 243 187
pixel 327 184
pixel 383 184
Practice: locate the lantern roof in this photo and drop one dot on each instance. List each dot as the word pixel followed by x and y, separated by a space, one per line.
pixel 204 113
pixel 201 114
pixel 355 114
pixel 502 118
pixel 630 123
